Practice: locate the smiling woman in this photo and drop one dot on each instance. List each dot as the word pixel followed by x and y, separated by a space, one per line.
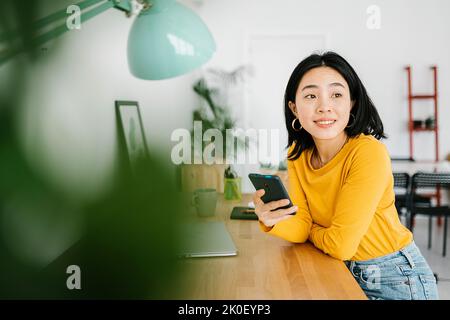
pixel 312 95
pixel 341 183
pixel 325 83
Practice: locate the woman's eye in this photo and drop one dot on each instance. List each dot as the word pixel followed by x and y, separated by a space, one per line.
pixel 337 95
pixel 310 96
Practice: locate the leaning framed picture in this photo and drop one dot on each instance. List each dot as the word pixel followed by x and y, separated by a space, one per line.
pixel 131 130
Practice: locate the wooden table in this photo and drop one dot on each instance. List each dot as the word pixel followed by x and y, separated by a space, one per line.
pixel 266 267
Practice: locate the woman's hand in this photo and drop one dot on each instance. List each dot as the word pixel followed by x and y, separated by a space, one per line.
pixel 264 210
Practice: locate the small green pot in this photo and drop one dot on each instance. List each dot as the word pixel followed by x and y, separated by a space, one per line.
pixel 232 189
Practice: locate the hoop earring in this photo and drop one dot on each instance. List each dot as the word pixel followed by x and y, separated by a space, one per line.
pixel 354 121
pixel 293 125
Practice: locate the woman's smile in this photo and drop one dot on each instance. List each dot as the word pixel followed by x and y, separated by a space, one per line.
pixel 325 123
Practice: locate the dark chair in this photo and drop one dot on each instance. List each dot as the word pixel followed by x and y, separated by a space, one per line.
pixel 401 181
pixel 422 180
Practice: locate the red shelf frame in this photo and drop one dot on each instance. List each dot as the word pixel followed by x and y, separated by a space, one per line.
pixel 423 129
pixel 411 98
pixel 422 96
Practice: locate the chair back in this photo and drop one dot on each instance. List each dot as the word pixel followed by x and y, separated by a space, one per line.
pixel 431 180
pixel 401 183
pixel 401 180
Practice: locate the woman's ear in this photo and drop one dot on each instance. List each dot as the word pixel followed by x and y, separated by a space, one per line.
pixel 293 108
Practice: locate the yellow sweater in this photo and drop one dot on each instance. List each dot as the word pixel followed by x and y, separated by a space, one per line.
pixel 347 207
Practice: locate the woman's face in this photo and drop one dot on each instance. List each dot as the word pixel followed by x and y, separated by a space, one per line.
pixel 322 103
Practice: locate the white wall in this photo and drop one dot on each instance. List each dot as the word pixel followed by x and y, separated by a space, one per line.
pixel 70 99
pixel 412 32
pixel 69 104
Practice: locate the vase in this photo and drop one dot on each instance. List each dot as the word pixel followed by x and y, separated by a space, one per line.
pixel 233 189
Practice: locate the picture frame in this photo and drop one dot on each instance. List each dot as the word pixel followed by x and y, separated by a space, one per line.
pixel 131 130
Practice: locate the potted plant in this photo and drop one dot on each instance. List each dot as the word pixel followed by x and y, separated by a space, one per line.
pixel 233 185
pixel 267 168
pixel 429 122
pixel 213 113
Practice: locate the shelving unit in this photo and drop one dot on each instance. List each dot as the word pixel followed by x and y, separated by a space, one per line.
pixel 411 128
pixel 435 129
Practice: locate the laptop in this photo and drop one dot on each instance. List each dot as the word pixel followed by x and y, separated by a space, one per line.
pixel 206 239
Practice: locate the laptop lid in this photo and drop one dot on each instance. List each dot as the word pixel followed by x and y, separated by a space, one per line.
pixel 206 239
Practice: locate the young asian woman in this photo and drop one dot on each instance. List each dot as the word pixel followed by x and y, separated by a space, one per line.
pixel 341 183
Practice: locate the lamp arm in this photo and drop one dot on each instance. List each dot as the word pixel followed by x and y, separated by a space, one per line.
pixel 52 18
pixel 88 10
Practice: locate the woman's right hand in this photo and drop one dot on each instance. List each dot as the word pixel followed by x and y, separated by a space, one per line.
pixel 264 210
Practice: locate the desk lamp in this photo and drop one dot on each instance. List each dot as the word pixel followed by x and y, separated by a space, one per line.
pixel 166 39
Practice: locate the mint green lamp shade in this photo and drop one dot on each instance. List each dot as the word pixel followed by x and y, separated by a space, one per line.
pixel 168 40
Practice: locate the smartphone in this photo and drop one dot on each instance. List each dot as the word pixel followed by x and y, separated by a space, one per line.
pixel 273 187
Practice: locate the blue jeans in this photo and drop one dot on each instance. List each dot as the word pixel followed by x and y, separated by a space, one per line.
pixel 402 275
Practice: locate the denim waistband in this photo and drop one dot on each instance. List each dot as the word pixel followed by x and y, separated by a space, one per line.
pixel 407 251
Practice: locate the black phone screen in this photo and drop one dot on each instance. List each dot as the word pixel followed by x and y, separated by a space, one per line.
pixel 273 187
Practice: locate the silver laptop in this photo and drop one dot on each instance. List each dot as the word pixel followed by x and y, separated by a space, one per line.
pixel 206 239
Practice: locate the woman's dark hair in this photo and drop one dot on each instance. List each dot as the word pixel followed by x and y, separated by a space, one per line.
pixel 366 120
